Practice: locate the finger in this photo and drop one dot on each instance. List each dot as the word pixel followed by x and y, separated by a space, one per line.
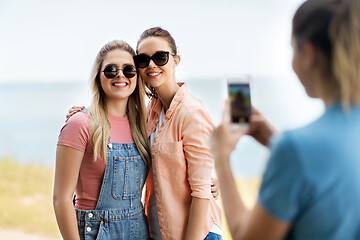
pixel 216 196
pixel 236 134
pixel 214 180
pixel 255 117
pixel 255 110
pixel 68 116
pixel 76 108
pixel 215 193
pixel 226 112
pixel 72 109
pixel 255 120
pixel 214 184
pixel 75 111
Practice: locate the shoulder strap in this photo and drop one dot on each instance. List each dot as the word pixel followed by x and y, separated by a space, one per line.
pixel 85 110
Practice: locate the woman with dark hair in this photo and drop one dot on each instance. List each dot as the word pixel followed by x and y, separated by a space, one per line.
pixel 311 185
pixel 179 204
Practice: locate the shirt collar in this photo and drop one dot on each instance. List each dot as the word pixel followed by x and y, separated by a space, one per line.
pixel 156 108
pixel 179 96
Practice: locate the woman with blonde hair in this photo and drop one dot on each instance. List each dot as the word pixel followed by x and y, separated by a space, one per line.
pixel 103 155
pixel 311 185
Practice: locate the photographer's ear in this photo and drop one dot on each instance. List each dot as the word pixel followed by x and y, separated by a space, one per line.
pixel 309 55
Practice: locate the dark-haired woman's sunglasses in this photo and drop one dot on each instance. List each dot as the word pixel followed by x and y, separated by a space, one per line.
pixel 111 71
pixel 160 58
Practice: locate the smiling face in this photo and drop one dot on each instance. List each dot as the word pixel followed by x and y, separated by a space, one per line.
pixel 153 74
pixel 119 87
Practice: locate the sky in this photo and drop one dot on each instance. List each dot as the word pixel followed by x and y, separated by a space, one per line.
pixel 57 41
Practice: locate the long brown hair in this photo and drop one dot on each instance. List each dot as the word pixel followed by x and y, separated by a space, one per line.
pixel 99 125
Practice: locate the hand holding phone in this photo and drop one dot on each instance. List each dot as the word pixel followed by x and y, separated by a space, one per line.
pixel 240 101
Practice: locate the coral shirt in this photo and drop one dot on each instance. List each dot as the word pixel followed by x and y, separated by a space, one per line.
pixel 76 134
pixel 181 164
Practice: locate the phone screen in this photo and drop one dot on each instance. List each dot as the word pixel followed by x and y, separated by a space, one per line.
pixel 240 102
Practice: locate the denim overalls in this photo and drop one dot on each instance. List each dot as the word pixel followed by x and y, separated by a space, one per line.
pixel 119 213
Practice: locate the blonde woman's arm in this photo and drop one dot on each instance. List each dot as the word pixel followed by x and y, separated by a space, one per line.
pixel 68 161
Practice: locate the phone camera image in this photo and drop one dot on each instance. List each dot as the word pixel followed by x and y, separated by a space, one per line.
pixel 240 102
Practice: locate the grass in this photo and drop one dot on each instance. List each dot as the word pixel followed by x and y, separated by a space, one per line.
pixel 26 198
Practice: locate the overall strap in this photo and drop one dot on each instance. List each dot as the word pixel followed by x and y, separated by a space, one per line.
pixel 85 110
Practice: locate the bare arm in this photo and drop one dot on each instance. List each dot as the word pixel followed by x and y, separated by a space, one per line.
pixel 68 161
pixel 234 208
pixel 197 218
pixel 243 224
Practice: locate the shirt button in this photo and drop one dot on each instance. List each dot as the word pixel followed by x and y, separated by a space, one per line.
pixel 88 229
pixel 90 215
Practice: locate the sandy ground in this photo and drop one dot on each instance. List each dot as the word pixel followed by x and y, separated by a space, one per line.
pixel 8 234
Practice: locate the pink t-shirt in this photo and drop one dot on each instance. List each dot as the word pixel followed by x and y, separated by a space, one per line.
pixel 76 134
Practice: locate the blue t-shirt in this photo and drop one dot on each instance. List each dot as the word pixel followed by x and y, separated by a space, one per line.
pixel 313 178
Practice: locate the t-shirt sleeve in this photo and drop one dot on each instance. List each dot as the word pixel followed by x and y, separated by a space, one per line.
pixel 283 186
pixel 75 133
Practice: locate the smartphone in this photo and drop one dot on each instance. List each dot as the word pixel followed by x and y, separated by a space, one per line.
pixel 240 100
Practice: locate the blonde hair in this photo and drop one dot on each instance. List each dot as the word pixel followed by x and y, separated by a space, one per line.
pixel 345 37
pixel 99 125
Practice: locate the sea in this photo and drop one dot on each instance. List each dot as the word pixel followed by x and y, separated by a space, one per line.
pixel 32 114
